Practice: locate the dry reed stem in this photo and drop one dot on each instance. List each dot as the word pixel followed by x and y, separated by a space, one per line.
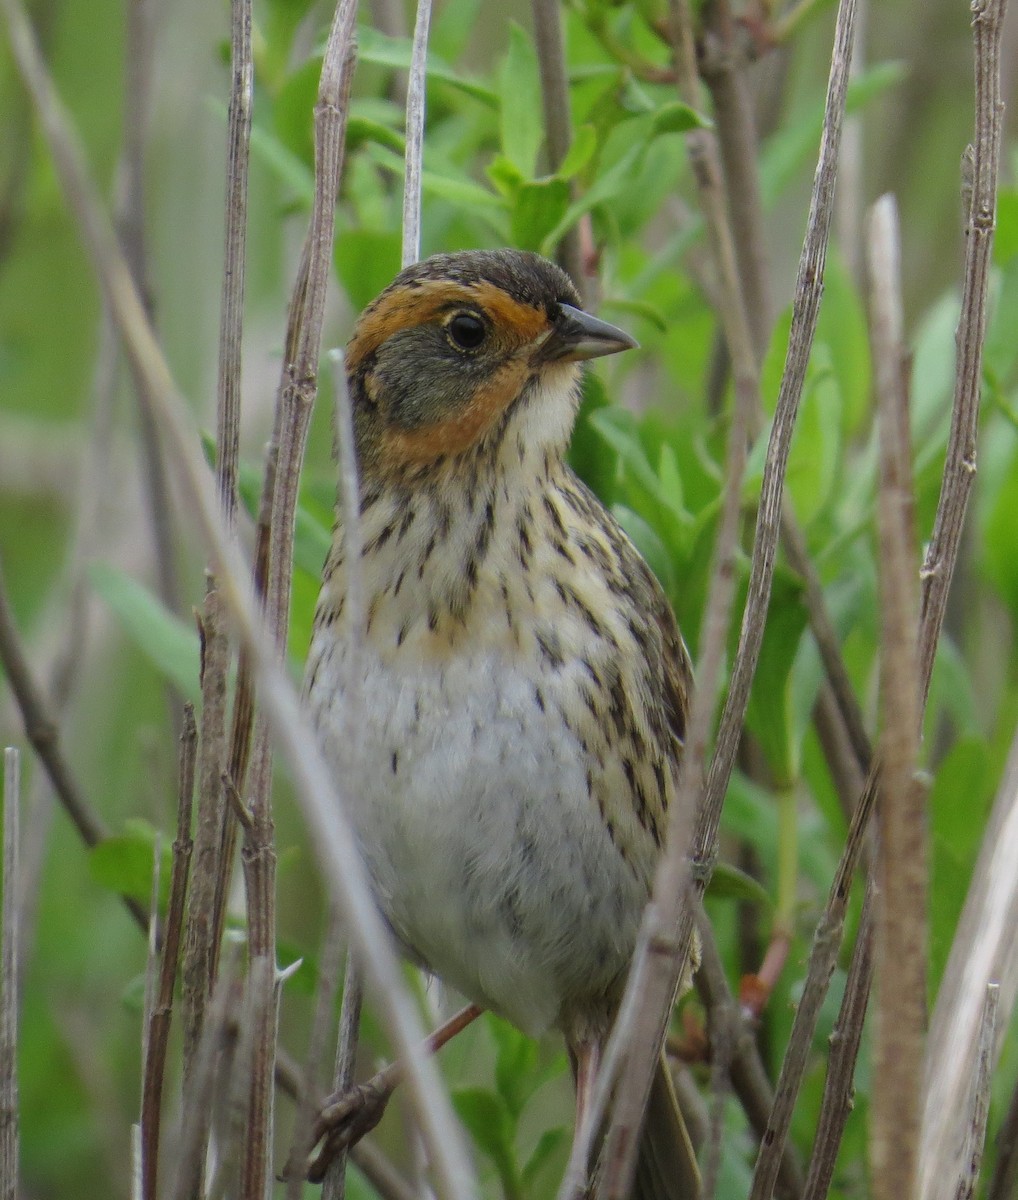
pixel 334 1183
pixel 200 953
pixel 159 1024
pixel 839 1086
pixel 901 915
pixel 9 981
pixel 414 155
pixel 980 1103
pixel 231 317
pixel 551 60
pixel 977 955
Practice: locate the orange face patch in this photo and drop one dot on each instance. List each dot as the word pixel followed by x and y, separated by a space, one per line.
pixel 456 434
pixel 514 323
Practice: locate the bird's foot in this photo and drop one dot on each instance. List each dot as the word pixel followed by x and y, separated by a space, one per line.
pixel 345 1118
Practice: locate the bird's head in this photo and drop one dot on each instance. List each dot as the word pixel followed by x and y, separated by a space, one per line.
pixel 461 348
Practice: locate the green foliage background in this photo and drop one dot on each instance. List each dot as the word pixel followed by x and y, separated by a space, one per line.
pixel 646 440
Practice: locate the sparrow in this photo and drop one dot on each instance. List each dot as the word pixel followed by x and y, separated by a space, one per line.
pixel 522 684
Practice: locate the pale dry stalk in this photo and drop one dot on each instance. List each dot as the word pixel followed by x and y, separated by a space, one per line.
pixel 901 924
pixel 9 980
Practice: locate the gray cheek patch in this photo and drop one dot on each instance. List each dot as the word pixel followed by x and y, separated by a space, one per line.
pixel 422 380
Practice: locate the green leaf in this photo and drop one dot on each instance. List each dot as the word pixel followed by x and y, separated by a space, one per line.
pixel 676 117
pixel 610 184
pixel 366 262
pixel 538 208
pixel 516 1074
pixel 1005 238
pixel 770 715
pixel 729 883
pixel 489 1125
pixel 1000 562
pixel 124 863
pixel 580 152
pixel 360 130
pixel 169 643
pixel 521 125
pixel 385 51
pixel 958 803
pixel 1001 351
pixel 547 1163
pixel 293 111
pixel 459 191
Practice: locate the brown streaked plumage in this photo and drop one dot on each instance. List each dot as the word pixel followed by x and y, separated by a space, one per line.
pixel 525 686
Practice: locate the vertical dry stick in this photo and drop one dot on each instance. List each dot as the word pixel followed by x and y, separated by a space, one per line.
pixel 724 72
pixel 415 100
pixel 901 916
pixel 198 974
pixel 9 986
pixel 558 134
pixel 314 783
pixel 211 865
pixel 956 1015
pixel 334 1184
pixel 671 946
pixel 298 390
pixel 977 943
pixel 960 468
pixel 231 317
pixel 159 1028
pixel 980 1104
pixel 845 1039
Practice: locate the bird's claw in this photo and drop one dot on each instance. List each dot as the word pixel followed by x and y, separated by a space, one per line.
pixel 343 1120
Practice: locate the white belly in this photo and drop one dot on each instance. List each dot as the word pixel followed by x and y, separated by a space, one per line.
pixel 488 854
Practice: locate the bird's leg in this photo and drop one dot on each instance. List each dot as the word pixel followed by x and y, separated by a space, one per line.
pixel 346 1117
pixel 586 1056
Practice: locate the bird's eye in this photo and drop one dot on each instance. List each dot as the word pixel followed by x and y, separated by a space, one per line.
pixel 467 331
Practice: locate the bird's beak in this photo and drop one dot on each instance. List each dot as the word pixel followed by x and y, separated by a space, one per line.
pixel 577 335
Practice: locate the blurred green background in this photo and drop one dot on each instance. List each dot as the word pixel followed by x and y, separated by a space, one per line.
pixel 76 530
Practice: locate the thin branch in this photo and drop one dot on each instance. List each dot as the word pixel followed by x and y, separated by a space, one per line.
pixel 551 59
pixel 235 257
pixel 414 156
pixel 960 467
pixel 334 1184
pixel 314 783
pixel 159 1028
pixel 980 1108
pixel 845 1039
pixel 9 980
pixel 198 970
pixel 724 72
pixel 901 925
pixel 957 1010
pixel 42 733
